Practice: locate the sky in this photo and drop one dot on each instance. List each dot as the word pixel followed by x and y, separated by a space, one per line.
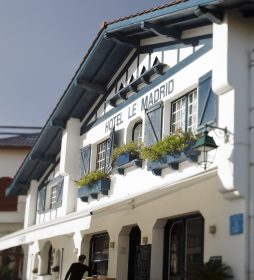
pixel 42 43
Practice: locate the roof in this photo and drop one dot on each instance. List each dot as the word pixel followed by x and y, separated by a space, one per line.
pixel 147 11
pixel 19 141
pixel 89 82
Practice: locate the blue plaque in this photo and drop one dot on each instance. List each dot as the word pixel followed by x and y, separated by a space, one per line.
pixel 236 224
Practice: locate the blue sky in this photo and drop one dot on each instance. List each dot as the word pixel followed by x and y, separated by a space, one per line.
pixel 42 44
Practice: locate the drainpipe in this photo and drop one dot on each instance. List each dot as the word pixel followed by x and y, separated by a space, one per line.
pixel 251 170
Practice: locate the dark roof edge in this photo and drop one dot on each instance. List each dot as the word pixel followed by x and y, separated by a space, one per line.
pixel 160 12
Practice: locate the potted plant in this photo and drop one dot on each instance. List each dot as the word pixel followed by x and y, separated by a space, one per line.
pixel 170 151
pixel 92 184
pixel 210 271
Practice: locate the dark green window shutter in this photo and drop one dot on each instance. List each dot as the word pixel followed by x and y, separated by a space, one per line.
pixel 41 199
pixel 85 154
pixel 109 151
pixel 59 193
pixel 207 102
pixel 153 124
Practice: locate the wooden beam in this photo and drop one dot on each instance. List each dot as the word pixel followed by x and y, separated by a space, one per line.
pixel 131 42
pixel 91 86
pixel 58 123
pixel 212 16
pixel 40 157
pixel 162 30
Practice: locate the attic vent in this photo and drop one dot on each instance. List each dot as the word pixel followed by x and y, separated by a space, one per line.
pixel 156 61
pixel 131 79
pixel 143 70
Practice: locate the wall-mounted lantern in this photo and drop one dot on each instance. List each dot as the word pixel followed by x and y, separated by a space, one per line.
pixel 206 143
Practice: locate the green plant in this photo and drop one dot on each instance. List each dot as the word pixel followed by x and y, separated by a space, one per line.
pixel 210 271
pixel 131 147
pixel 170 144
pixel 92 177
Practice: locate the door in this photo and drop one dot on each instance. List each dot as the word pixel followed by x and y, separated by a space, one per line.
pixel 183 246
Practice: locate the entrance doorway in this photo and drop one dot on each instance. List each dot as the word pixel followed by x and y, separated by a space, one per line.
pixel 134 251
pixel 183 246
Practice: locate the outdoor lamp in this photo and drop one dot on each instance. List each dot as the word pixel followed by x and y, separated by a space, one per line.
pixel 206 143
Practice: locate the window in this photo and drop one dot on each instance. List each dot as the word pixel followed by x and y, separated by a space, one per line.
pixel 183 246
pixel 99 254
pixel 53 197
pixel 102 152
pixel 137 133
pixel 184 113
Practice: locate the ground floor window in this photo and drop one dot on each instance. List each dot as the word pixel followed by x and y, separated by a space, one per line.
pixel 183 246
pixel 99 254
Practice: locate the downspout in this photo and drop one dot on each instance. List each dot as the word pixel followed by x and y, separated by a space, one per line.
pixel 250 202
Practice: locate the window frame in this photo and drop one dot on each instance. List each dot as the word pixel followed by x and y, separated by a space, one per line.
pixel 186 112
pixel 104 159
pixel 140 137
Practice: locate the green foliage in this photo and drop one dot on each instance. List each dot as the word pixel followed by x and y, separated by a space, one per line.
pixel 210 271
pixel 6 273
pixel 131 147
pixel 92 177
pixel 170 144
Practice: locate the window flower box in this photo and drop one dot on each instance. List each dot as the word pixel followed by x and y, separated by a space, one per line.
pixel 92 184
pixel 127 155
pixel 192 155
pixel 169 160
pixel 94 188
pixel 100 186
pixel 170 151
pixel 125 158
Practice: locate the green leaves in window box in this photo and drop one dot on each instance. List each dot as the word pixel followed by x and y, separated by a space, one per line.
pixel 92 177
pixel 169 145
pixel 131 148
pixel 209 271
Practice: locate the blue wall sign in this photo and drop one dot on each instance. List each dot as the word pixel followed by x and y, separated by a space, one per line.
pixel 236 224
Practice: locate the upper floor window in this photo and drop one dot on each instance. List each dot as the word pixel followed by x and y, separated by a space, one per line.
pixel 53 197
pixel 184 113
pixel 102 151
pixel 137 133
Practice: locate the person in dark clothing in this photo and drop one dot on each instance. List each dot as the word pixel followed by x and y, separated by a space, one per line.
pixel 77 270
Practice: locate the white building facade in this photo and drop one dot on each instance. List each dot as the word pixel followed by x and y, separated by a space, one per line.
pixel 183 66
